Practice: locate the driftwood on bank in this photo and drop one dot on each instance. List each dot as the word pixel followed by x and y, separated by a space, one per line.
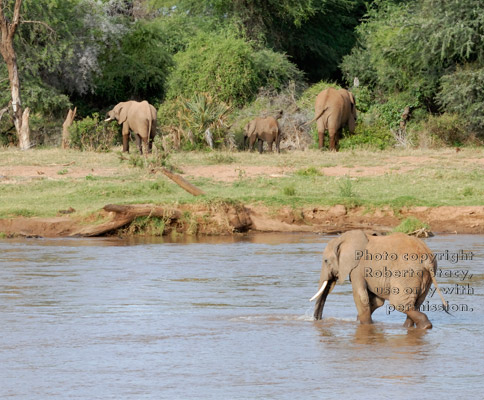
pixel 124 215
pixel 71 114
pixel 183 183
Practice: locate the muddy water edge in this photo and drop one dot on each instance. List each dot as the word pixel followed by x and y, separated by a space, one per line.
pixel 221 318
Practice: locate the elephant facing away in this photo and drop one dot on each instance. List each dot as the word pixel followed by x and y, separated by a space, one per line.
pixel 139 117
pixel 334 109
pixel 263 129
pixel 397 267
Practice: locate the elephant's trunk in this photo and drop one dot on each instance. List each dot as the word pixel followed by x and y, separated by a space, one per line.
pixel 321 300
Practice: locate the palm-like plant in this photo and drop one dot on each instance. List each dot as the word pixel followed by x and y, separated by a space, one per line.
pixel 204 119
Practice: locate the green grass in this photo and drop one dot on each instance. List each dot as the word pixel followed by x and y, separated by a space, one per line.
pixel 429 184
pixel 411 224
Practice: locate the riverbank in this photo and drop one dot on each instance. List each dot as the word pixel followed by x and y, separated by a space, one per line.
pixel 50 192
pixel 227 219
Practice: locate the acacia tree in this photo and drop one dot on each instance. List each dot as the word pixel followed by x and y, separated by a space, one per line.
pixel 7 30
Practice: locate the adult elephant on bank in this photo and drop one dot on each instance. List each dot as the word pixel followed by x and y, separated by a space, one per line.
pixel 397 267
pixel 334 109
pixel 139 117
pixel 263 130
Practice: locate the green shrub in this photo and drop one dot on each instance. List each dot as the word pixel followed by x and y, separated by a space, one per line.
pixel 92 134
pixel 448 128
pixel 221 158
pixel 227 66
pixel 369 135
pixel 462 92
pixel 345 187
pixel 411 224
pixel 310 171
pixel 289 190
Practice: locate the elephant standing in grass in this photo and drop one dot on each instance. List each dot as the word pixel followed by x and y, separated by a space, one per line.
pixel 334 109
pixel 263 129
pixel 397 267
pixel 139 117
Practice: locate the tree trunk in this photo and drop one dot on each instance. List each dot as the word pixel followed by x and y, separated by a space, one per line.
pixel 7 30
pixel 24 135
pixel 65 127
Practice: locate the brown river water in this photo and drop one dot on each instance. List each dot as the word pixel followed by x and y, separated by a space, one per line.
pixel 225 318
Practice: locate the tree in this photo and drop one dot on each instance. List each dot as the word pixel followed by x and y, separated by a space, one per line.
pixel 8 29
pixel 315 34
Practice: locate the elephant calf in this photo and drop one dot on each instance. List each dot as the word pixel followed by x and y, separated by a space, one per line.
pixel 139 117
pixel 263 129
pixel 397 267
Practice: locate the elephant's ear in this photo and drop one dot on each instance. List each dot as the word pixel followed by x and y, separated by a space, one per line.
pixel 123 111
pixel 347 246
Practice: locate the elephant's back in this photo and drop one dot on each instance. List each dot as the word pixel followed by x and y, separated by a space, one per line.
pixel 404 248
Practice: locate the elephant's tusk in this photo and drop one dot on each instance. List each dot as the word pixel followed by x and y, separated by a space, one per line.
pixel 108 119
pixel 320 291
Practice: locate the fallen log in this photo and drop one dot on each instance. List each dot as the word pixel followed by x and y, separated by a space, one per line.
pixel 183 183
pixel 124 215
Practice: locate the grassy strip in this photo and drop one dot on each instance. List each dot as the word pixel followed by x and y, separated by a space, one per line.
pixel 411 178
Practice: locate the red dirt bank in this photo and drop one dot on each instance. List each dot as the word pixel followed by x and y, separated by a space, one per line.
pixel 227 219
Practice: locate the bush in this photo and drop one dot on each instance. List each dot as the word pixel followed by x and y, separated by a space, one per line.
pixel 410 225
pixel 91 134
pixel 191 121
pixel 138 68
pixel 227 66
pixel 446 129
pixel 373 135
pixel 462 92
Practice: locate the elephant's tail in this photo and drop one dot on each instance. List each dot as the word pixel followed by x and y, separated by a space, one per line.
pixel 315 118
pixel 150 122
pixel 434 281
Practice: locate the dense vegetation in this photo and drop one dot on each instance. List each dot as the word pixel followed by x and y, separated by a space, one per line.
pixel 209 64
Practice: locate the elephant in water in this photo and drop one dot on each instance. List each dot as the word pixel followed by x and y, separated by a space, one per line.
pixel 397 267
pixel 263 129
pixel 139 117
pixel 334 109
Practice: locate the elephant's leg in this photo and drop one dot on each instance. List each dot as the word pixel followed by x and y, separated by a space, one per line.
pixel 362 302
pixel 321 129
pixel 138 143
pixel 375 302
pixel 419 318
pixel 261 144
pixel 245 142
pixel 150 142
pixel 408 323
pixel 270 146
pixel 145 144
pixel 125 133
pixel 333 137
pixel 252 141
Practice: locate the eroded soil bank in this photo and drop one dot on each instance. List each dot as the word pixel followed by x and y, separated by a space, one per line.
pixel 227 219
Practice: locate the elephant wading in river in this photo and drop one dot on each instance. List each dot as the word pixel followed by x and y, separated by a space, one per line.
pixel 334 109
pixel 397 267
pixel 263 129
pixel 139 117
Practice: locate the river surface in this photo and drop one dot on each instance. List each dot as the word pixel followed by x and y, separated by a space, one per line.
pixel 222 319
